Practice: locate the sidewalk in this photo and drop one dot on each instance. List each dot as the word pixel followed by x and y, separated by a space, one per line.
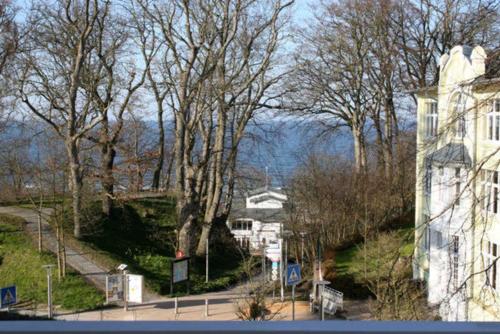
pixel 188 310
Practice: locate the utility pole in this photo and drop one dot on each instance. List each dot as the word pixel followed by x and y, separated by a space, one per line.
pixel 48 268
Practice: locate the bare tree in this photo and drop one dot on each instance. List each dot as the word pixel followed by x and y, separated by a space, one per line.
pixel 52 74
pixel 9 37
pixel 111 83
pixel 217 61
pixel 332 71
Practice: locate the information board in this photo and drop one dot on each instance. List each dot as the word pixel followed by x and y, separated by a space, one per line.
pixel 135 290
pixel 114 288
pixel 180 270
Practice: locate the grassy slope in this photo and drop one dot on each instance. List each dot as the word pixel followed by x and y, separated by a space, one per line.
pixel 349 271
pixel 141 234
pixel 21 264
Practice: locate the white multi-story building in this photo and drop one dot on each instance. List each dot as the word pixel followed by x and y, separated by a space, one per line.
pixel 260 220
pixel 457 214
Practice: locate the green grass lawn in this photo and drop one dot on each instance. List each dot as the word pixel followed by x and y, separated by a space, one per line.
pixel 141 233
pixel 21 264
pixel 349 270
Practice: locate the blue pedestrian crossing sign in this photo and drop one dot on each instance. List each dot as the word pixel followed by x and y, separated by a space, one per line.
pixel 8 296
pixel 293 274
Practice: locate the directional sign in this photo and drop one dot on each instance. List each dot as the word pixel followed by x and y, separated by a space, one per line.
pixel 293 274
pixel 8 296
pixel 274 272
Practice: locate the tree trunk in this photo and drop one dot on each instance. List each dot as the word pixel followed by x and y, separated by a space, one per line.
pixel 216 180
pixel 388 143
pixel 76 186
pixel 108 154
pixel 161 152
pixel 40 242
pixel 359 148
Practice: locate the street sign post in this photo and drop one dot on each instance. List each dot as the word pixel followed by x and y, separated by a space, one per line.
pixel 8 296
pixel 292 278
pixel 293 274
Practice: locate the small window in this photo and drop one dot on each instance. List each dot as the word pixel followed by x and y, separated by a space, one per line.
pixel 490 191
pixel 458 186
pixel 428 180
pixel 431 119
pixel 426 237
pixel 493 121
pixel 460 114
pixel 455 244
pixel 438 237
pixel 490 253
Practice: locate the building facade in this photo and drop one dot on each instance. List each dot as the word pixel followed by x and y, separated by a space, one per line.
pixel 457 202
pixel 259 221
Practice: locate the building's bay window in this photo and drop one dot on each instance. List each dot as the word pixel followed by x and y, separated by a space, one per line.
pixel 493 121
pixel 489 190
pixel 490 253
pixel 431 119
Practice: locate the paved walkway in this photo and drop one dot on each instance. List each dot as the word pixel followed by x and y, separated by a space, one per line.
pixel 79 261
pixel 191 309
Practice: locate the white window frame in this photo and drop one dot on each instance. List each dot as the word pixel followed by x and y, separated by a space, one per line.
pixel 490 255
pixel 459 109
pixel 431 119
pixel 490 191
pixel 493 122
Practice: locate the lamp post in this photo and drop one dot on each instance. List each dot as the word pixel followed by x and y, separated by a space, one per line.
pixel 283 236
pixel 48 268
pixel 206 261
